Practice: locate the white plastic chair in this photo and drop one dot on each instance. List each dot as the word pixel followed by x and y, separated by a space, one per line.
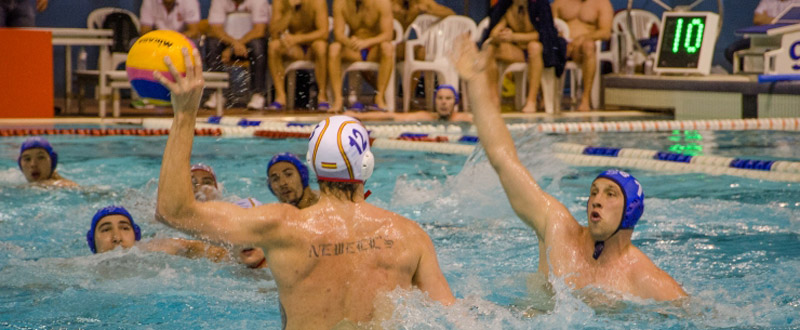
pixel 418 27
pixel 95 21
pixel 576 74
pixel 372 66
pixel 295 66
pixel 438 41
pixel 482 26
pixel 622 44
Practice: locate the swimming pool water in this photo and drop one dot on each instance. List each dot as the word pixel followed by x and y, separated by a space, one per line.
pixel 733 243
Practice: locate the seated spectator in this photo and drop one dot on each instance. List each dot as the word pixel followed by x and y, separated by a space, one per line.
pixel 765 13
pixel 177 15
pixel 299 31
pixel 37 161
pixel 446 100
pixel 514 39
pixel 223 48
pixel 589 21
pixel 371 33
pixel 767 10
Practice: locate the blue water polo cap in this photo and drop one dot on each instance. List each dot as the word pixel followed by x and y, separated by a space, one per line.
pixel 106 211
pixel 633 194
pixel 450 87
pixel 291 158
pixel 38 142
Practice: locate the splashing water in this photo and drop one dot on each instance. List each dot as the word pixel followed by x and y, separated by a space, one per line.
pixel 732 243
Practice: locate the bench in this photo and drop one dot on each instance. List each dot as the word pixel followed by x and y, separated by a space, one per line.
pixel 118 79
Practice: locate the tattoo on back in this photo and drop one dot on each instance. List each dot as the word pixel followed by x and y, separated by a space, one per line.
pixel 353 247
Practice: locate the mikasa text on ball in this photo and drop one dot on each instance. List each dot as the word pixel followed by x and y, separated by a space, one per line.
pixel 147 56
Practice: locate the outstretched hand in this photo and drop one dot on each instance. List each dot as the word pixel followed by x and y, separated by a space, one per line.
pixel 469 62
pixel 185 91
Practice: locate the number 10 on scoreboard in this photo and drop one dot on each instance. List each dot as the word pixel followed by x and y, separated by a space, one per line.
pixel 686 44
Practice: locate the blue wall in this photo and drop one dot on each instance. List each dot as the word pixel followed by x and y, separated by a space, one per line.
pixel 73 13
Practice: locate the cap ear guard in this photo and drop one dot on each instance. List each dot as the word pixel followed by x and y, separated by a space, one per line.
pixel 367 165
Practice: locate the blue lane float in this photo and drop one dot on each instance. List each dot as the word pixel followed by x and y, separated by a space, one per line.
pixel 582 155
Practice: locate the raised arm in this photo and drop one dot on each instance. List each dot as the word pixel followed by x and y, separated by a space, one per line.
pixel 176 206
pixel 529 201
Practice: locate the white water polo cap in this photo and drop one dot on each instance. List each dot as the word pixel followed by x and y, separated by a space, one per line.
pixel 339 150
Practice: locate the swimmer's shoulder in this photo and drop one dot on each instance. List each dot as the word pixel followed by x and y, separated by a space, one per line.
pixel 279 212
pixel 650 280
pixel 392 217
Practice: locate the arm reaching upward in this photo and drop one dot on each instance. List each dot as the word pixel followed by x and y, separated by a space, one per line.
pixel 534 206
pixel 176 206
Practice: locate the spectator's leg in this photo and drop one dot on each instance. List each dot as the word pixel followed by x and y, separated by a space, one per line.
pixel 213 60
pixel 384 72
pixel 276 69
pixel 505 52
pixel 335 74
pixel 319 50
pixel 257 53
pixel 588 67
pixel 535 68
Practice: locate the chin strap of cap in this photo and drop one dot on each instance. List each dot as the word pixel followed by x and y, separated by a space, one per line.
pixel 598 249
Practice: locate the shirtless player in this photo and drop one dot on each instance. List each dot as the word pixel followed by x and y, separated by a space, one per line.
pixel 588 20
pixel 331 260
pixel 514 39
pixel 600 255
pixel 370 39
pixel 299 31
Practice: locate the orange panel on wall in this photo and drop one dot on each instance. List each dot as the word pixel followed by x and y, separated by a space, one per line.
pixel 26 74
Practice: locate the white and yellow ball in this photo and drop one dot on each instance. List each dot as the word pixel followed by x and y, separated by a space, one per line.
pixel 147 56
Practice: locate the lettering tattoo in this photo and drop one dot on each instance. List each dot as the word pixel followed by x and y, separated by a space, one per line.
pixel 353 247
